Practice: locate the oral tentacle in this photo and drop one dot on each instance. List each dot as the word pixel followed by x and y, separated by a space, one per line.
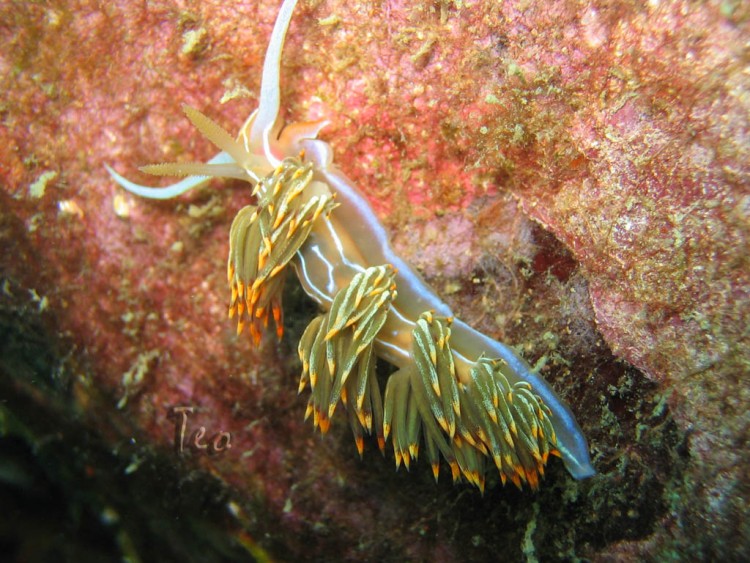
pixel 173 190
pixel 261 132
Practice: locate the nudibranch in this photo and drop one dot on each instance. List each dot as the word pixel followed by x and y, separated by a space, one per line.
pixel 464 396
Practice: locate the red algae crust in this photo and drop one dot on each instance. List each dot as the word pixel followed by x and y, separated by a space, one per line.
pixel 573 178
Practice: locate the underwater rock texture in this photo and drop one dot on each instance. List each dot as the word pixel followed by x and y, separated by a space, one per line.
pixel 621 129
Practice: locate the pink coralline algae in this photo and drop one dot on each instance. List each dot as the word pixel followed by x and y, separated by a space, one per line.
pixel 595 156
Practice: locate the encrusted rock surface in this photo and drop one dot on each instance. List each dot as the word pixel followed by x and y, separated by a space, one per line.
pixel 572 177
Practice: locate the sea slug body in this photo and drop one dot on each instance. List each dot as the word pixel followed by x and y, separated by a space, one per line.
pixel 463 395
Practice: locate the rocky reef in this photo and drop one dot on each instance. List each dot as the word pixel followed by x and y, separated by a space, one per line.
pixel 572 179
